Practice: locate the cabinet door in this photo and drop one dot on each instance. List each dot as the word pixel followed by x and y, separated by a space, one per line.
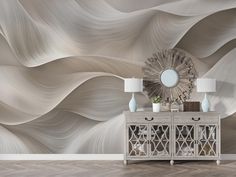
pixel 207 136
pixel 137 138
pixel 159 140
pixel 184 144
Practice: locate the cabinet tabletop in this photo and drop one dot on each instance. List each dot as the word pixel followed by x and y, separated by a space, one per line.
pixel 212 113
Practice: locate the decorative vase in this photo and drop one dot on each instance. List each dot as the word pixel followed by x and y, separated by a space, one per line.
pixel 132 104
pixel 156 107
pixel 205 104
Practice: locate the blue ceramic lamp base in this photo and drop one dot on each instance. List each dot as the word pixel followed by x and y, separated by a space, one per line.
pixel 132 104
pixel 205 104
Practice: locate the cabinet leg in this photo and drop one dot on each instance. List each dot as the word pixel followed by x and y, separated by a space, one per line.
pixel 218 162
pixel 172 162
pixel 125 162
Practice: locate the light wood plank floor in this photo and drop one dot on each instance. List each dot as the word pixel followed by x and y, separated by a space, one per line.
pixel 116 169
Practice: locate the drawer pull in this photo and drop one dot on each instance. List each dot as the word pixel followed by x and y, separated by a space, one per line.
pixel 149 119
pixel 196 119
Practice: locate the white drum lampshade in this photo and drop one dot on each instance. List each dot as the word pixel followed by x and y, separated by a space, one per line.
pixel 206 85
pixel 133 85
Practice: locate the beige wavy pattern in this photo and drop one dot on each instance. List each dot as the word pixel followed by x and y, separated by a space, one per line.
pixel 62 65
pixel 210 34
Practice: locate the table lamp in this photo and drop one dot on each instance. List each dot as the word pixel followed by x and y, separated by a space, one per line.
pixel 133 85
pixel 206 85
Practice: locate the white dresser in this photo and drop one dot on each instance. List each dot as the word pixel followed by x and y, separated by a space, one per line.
pixel 172 136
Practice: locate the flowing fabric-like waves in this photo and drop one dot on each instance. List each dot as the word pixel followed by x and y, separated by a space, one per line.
pixel 62 65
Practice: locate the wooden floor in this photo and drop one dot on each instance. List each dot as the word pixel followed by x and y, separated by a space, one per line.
pixel 116 169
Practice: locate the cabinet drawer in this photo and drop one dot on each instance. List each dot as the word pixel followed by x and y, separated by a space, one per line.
pixel 196 119
pixel 148 119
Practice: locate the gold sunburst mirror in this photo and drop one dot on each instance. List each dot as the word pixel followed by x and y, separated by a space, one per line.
pixel 170 74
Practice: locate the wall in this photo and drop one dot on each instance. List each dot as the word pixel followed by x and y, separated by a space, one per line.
pixel 63 63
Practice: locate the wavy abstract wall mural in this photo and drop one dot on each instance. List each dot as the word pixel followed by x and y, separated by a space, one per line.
pixel 63 63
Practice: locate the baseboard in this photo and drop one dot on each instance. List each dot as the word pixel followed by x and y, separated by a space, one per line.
pixel 228 156
pixel 79 157
pixel 61 157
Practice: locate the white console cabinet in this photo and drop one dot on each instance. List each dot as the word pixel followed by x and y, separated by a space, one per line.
pixel 172 136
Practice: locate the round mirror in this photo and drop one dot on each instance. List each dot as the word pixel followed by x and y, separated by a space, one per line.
pixel 169 78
